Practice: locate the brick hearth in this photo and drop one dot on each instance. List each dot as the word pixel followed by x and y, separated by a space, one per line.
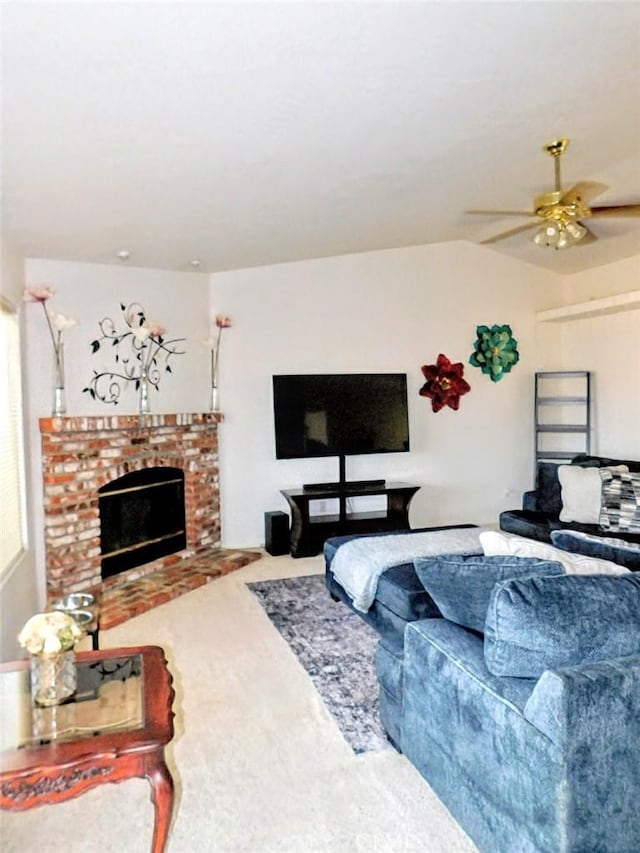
pixel 81 454
pixel 137 596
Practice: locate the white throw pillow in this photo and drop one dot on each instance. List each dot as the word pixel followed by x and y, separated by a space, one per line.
pixel 581 492
pixel 495 542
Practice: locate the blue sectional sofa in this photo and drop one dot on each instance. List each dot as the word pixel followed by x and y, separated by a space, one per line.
pixel 514 689
pixel 541 513
pixel 400 599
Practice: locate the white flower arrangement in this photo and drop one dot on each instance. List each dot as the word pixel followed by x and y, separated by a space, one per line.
pixel 50 633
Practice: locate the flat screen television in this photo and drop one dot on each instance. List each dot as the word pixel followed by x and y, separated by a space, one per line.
pixel 340 414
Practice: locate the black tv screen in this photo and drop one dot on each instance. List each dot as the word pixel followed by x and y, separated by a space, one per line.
pixel 340 414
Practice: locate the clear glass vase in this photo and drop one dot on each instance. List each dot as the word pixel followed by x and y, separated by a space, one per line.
pixel 143 407
pixel 53 677
pixel 59 399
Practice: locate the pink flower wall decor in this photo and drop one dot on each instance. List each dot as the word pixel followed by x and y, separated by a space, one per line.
pixel 444 385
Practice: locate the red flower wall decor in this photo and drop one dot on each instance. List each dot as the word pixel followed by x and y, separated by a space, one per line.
pixel 444 384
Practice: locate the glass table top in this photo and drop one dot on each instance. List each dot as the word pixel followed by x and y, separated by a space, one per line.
pixel 109 698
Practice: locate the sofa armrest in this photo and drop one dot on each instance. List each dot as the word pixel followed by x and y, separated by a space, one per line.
pixel 530 501
pixel 595 704
pixel 592 712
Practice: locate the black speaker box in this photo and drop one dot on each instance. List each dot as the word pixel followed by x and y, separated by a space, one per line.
pixel 276 533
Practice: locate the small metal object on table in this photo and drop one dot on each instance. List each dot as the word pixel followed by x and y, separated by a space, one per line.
pixel 84 607
pixel 115 727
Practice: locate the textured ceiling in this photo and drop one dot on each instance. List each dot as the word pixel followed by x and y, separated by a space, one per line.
pixel 245 134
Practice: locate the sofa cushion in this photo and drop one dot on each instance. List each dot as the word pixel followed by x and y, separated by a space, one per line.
pixel 461 586
pixel 464 652
pixel 539 623
pixel 620 509
pixel 528 523
pixel 400 597
pixel 548 494
pixel 548 488
pixel 620 551
pixel 389 625
pixel 400 590
pixel 497 542
pixel 605 462
pixel 581 489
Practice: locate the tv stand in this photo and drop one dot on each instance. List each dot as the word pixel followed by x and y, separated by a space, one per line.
pixel 309 531
pixel 350 486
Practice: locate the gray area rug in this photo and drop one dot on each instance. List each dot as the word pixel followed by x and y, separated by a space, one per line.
pixel 337 650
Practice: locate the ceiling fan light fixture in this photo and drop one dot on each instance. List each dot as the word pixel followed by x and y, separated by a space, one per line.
pixel 547 235
pixel 559 233
pixel 576 231
pixel 559 213
pixel 540 238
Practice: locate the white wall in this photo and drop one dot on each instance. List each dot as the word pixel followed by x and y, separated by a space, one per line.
pixel 608 280
pixel 89 292
pixel 18 583
pixel 383 311
pixel 379 311
pixel 609 346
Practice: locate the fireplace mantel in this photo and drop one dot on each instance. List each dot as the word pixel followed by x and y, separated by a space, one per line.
pixel 81 454
pixel 90 423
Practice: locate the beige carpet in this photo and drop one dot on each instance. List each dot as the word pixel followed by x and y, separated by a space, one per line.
pixel 259 764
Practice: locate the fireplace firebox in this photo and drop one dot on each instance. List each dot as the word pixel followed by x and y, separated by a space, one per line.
pixel 142 518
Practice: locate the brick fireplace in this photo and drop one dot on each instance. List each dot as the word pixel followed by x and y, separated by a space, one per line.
pixel 80 455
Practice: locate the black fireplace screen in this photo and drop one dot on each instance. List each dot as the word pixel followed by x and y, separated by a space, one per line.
pixel 142 518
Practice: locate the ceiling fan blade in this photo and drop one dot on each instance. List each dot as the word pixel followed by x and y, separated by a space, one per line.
pixel 616 210
pixel 583 192
pixel 502 212
pixel 510 233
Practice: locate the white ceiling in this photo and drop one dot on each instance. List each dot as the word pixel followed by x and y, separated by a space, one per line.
pixel 245 134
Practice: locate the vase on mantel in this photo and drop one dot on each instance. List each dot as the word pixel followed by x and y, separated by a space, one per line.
pixel 59 399
pixel 215 399
pixel 143 406
pixel 53 677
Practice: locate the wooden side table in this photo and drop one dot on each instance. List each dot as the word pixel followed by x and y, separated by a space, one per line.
pixel 114 728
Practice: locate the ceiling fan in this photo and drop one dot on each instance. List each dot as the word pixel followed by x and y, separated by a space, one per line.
pixel 559 213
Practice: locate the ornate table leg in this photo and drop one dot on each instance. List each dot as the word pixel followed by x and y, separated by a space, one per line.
pixel 162 793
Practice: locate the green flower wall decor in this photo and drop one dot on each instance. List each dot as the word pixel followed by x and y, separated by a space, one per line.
pixel 495 351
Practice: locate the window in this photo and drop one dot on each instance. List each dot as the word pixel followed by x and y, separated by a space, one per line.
pixel 12 536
